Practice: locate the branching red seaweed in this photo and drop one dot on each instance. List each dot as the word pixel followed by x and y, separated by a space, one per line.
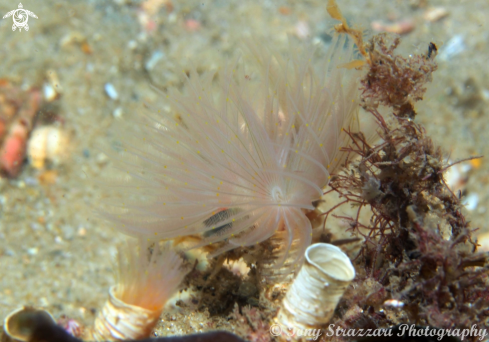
pixel 418 247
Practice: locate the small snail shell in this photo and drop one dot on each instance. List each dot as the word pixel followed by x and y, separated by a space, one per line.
pixel 312 298
pixel 47 143
pixel 18 325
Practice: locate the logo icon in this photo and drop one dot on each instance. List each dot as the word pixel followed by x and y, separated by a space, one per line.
pixel 20 16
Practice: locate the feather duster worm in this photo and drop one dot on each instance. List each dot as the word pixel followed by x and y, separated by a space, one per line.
pixel 148 276
pixel 236 165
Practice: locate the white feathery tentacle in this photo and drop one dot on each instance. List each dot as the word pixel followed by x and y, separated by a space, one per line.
pixel 241 163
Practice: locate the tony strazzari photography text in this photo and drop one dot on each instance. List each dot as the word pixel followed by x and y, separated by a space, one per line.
pixel 409 330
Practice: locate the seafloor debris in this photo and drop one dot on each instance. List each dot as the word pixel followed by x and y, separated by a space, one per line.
pixel 155 57
pixel 18 111
pixel 399 27
pixel 471 201
pixel 433 14
pixel 76 38
pixel 71 326
pixel 452 48
pixel 49 92
pixel 111 91
pixel 457 176
pixel 47 144
pixel 148 13
pixel 302 29
pixel 192 25
pixel 52 89
pixel 17 324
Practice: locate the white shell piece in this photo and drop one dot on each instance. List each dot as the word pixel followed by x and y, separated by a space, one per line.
pixel 452 48
pixel 119 321
pixel 110 91
pixel 456 176
pixel 47 143
pixel 394 303
pixel 153 60
pixel 49 92
pixel 314 294
pixel 471 201
pixel 53 79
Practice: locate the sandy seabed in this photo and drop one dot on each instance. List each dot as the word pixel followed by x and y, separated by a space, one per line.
pixel 53 251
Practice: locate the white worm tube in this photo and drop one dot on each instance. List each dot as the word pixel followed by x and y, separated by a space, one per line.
pixel 149 274
pixel 312 298
pixel 119 321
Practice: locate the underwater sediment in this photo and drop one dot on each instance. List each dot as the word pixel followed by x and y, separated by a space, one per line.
pixel 257 181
